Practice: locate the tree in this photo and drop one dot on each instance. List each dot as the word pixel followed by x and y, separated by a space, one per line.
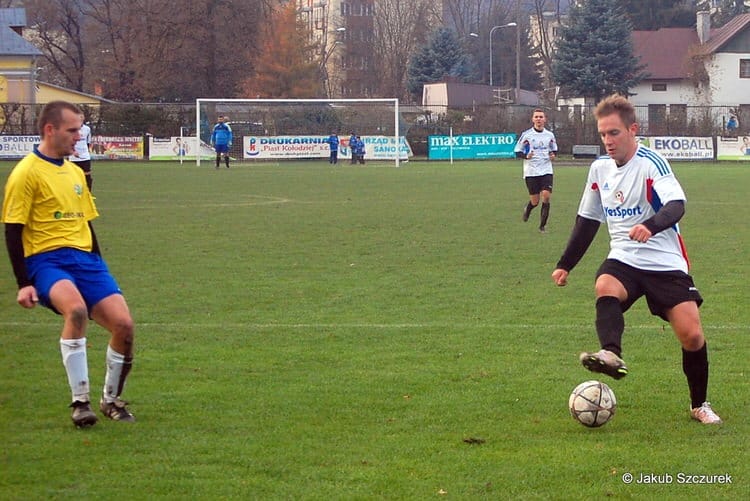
pixel 399 27
pixel 656 14
pixel 442 57
pixel 473 20
pixel 595 52
pixel 147 50
pixel 57 30
pixel 466 16
pixel 546 15
pixel 286 65
pixel 219 45
pixel 728 9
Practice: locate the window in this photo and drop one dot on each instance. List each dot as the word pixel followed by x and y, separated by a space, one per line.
pixel 744 68
pixel 659 87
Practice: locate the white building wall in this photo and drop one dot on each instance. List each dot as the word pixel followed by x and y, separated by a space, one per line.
pixel 727 88
pixel 678 92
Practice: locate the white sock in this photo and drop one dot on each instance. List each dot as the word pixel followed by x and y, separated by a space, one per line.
pixel 76 365
pixel 118 368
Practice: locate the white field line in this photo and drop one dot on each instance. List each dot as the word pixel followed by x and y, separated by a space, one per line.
pixel 250 200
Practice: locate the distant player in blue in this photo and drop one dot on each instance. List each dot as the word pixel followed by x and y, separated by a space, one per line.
pixel 221 140
pixel 352 146
pixel 333 145
pixel 360 150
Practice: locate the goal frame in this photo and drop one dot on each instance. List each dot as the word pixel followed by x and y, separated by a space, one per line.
pixel 391 101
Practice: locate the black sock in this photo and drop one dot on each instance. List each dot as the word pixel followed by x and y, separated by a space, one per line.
pixel 545 215
pixel 529 208
pixel 695 367
pixel 127 365
pixel 610 323
pixel 218 160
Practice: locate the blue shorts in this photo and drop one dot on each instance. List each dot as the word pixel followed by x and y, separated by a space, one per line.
pixel 86 270
pixel 221 148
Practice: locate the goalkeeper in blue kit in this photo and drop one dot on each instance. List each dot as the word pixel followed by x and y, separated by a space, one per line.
pixel 221 140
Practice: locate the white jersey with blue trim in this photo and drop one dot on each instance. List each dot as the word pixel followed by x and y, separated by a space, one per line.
pixel 542 143
pixel 625 196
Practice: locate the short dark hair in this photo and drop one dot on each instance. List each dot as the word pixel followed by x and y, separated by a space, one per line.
pixel 52 114
pixel 619 104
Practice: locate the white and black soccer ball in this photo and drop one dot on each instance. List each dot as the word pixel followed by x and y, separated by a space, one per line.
pixel 592 403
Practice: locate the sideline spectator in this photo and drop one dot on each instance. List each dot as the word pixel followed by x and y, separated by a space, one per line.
pixel 732 124
pixel 333 145
pixel 352 146
pixel 360 150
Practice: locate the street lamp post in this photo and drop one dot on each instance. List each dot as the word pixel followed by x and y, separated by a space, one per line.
pixel 324 61
pixel 491 32
pixel 518 64
pixel 324 67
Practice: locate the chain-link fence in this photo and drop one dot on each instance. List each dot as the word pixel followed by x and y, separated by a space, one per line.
pixel 108 119
pixel 576 124
pixel 572 125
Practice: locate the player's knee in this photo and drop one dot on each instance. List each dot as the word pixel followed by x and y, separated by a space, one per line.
pixel 79 315
pixel 124 330
pixel 610 286
pixel 692 340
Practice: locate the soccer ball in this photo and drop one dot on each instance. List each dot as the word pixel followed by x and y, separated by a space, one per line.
pixel 592 403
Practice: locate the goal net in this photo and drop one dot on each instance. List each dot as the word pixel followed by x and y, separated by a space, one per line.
pixel 293 129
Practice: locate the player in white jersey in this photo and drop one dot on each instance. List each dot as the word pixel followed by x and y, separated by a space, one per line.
pixel 634 191
pixel 538 147
pixel 81 155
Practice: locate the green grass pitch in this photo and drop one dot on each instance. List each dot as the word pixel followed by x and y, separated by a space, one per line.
pixel 315 332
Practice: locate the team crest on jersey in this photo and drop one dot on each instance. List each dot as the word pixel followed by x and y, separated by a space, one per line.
pixel 78 189
pixel 620 196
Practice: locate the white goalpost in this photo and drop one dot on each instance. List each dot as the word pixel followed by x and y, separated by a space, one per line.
pixel 292 129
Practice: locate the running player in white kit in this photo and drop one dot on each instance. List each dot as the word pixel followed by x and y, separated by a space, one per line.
pixel 634 191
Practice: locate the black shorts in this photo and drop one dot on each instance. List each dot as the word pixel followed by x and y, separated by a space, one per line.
pixel 663 289
pixel 85 165
pixel 538 184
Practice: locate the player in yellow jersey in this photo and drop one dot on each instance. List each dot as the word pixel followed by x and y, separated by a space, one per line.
pixel 47 211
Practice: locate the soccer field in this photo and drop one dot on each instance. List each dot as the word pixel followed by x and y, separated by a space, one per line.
pixel 307 331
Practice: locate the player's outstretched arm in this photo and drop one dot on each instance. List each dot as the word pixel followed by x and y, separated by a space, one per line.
pixel 581 237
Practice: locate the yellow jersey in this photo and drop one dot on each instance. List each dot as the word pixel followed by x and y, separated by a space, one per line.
pixel 50 198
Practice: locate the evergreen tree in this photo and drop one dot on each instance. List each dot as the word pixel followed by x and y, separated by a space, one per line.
pixel 595 52
pixel 442 57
